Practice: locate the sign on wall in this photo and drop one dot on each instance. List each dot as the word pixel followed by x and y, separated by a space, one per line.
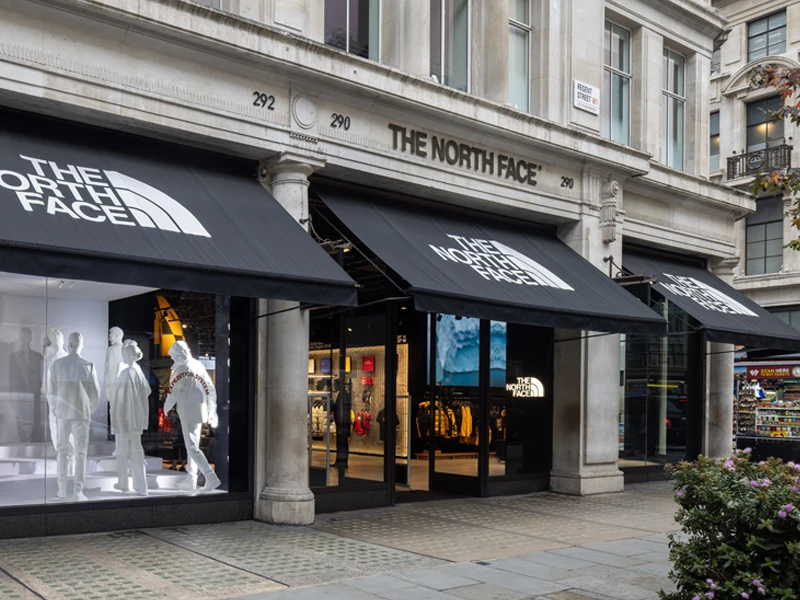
pixel 586 97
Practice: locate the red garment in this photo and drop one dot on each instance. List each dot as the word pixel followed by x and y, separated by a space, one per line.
pixel 363 420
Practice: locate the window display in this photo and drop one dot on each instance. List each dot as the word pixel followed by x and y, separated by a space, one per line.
pixel 111 392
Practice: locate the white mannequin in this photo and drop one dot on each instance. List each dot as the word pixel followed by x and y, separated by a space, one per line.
pixel 130 411
pixel 54 351
pixel 113 366
pixel 74 387
pixel 193 392
pixel 114 361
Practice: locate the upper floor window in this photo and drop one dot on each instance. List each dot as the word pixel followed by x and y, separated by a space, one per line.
pixel 764 237
pixel 673 108
pixel 450 42
pixel 519 43
pixel 766 36
pixel 713 125
pixel 791 316
pixel 762 131
pixel 354 26
pixel 617 83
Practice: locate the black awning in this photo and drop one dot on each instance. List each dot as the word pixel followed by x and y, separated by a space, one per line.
pixel 85 203
pixel 475 268
pixel 727 315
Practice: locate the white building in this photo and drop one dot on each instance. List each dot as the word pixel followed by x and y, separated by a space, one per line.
pixel 520 129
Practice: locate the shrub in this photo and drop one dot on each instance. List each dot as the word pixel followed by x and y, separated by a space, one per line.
pixel 740 529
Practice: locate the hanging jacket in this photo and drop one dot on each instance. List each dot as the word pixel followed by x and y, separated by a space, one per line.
pixel 362 423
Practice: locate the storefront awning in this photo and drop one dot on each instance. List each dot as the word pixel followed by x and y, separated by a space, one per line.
pixel 726 315
pixel 477 268
pixel 85 203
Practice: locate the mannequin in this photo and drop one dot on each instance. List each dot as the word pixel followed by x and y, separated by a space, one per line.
pixel 193 392
pixel 113 366
pixel 130 411
pixel 73 385
pixel 53 351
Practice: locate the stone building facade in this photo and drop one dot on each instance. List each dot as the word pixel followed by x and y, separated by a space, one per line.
pixel 745 141
pixel 605 103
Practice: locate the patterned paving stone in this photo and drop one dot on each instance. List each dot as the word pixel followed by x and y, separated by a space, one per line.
pixel 291 555
pixel 11 590
pixel 129 565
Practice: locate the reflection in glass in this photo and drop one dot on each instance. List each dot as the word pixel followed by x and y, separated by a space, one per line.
pixel 66 390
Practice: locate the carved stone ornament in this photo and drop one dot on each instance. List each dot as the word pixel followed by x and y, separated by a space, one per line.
pixel 608 211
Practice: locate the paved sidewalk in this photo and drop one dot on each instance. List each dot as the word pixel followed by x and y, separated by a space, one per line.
pixel 611 546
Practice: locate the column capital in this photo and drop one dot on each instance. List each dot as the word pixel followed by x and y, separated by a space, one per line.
pixel 291 162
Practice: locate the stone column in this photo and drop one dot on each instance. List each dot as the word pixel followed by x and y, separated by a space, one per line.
pixel 586 369
pixel 698 83
pixel 489 40
pixel 549 65
pixel 405 37
pixel 282 402
pixel 718 428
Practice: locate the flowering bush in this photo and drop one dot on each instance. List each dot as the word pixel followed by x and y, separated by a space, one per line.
pixel 740 530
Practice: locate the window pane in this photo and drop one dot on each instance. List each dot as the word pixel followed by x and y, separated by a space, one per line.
pixel 774 264
pixel 775 133
pixel 374 30
pixel 713 162
pixel 775 232
pixel 673 72
pixel 755 250
pixel 607 101
pixel 607 45
pixel 777 20
pixel 715 145
pixel 756 233
pixel 518 81
pixel 713 123
pixel 666 119
pixel 754 54
pixel 436 39
pixel 756 137
pixel 716 61
pixel 518 10
pixel 757 27
pixel 774 248
pixel 777 37
pixel 336 23
pixel 755 266
pixel 620 49
pixel 676 134
pixel 758 43
pixel 778 48
pixel 456 19
pixel 794 318
pixel 783 315
pixel 620 110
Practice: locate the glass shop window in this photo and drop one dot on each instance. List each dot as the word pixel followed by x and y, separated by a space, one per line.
pixel 111 392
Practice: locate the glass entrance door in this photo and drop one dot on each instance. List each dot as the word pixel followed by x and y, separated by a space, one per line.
pixel 455 406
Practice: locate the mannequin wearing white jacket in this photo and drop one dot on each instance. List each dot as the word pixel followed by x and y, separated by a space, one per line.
pixel 76 394
pixel 192 390
pixel 130 412
pixel 53 351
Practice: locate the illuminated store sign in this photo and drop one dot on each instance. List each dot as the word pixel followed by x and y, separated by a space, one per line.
pixel 526 387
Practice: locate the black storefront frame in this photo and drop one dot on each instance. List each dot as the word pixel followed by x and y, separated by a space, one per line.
pixel 368 495
pixel 38 520
pixel 697 371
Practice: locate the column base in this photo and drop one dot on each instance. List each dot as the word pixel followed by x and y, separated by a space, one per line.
pixel 285 507
pixel 584 484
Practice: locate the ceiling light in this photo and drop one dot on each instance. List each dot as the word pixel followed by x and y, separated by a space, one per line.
pixel 60 284
pixel 184 325
pixel 71 284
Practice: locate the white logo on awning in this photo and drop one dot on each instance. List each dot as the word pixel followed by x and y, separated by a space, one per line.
pixel 497 262
pixel 98 196
pixel 705 295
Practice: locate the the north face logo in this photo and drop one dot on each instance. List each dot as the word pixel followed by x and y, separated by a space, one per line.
pixel 497 262
pixel 705 295
pixel 98 196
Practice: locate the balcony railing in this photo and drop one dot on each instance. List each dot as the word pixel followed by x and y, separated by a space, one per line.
pixel 760 161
